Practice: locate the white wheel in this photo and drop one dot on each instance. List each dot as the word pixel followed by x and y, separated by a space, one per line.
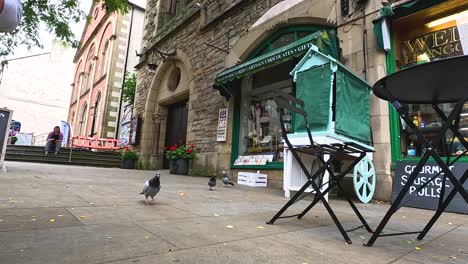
pixel 364 180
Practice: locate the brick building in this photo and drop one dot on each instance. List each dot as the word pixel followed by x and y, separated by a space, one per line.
pixel 107 50
pixel 193 43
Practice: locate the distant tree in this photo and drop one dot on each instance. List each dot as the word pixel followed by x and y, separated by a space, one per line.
pixel 129 87
pixel 56 15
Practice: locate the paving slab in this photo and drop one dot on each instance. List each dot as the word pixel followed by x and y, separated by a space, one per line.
pixel 35 218
pixel 118 214
pixel 448 248
pixel 328 240
pixel 193 232
pixel 81 244
pixel 260 250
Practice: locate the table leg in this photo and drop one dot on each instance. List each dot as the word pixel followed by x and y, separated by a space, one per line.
pixel 396 203
pixel 442 208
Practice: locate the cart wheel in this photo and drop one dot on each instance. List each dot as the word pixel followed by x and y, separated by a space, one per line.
pixel 364 180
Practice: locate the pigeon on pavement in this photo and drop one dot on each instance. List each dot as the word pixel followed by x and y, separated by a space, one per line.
pixel 212 182
pixel 151 188
pixel 226 180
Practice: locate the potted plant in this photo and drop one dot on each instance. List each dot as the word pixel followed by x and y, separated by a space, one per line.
pixel 179 157
pixel 129 159
pixel 13 137
pixel 13 140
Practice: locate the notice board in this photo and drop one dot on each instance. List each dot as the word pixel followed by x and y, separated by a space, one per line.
pixel 5 120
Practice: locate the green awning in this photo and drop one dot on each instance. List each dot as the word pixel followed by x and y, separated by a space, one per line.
pixel 322 39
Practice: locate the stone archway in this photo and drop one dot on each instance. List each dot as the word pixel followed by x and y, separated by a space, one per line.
pixel 286 13
pixel 166 88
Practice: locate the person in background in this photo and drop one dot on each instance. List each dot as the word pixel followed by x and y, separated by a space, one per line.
pixel 54 141
pixel 10 14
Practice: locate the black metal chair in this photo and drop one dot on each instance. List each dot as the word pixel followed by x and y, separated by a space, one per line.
pixel 336 151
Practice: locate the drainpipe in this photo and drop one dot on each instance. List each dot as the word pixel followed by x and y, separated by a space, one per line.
pixel 365 44
pixel 125 71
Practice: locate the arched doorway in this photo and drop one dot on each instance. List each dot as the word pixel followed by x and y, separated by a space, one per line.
pixel 176 126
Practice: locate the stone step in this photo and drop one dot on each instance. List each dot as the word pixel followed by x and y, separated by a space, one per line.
pixel 78 156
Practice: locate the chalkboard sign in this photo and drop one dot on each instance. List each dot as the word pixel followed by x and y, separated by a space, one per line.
pixel 428 198
pixel 5 119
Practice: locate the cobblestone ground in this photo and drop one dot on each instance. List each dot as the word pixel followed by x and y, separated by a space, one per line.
pixel 65 214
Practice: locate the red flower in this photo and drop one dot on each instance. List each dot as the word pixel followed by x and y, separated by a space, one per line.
pixel 165 148
pixel 188 151
pixel 192 146
pixel 172 148
pixel 175 146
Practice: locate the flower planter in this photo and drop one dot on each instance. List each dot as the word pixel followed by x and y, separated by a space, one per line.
pixel 128 164
pixel 179 166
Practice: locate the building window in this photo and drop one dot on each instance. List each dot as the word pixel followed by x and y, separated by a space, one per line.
pixel 90 77
pixel 96 13
pixel 79 86
pixel 96 113
pixel 421 37
pixel 83 118
pixel 105 53
pixel 174 79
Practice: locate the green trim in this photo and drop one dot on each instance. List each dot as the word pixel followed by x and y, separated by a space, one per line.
pixel 280 33
pixel 269 166
pixel 235 128
pixel 296 48
pixel 393 115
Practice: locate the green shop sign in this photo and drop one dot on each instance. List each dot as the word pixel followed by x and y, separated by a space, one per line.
pixel 297 47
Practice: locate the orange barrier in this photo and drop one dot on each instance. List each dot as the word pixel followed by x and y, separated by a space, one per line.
pixel 96 143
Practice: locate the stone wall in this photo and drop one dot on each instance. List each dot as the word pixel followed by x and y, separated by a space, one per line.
pixel 218 25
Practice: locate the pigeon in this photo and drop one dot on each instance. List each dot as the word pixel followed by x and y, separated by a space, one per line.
pixel 151 187
pixel 226 180
pixel 212 182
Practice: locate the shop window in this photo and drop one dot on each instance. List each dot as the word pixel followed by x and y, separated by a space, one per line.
pixel 260 140
pixel 435 33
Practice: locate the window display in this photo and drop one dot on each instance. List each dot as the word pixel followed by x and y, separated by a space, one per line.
pixel 431 37
pixel 260 140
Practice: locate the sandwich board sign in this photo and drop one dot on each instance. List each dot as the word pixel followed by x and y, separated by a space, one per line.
pixel 5 120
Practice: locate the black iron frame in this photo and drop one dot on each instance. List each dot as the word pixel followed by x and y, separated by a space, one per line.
pixel 335 151
pixel 449 123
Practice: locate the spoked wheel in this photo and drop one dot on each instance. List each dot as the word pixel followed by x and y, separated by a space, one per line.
pixel 364 180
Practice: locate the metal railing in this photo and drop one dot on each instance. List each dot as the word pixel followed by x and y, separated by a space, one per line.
pixel 40 140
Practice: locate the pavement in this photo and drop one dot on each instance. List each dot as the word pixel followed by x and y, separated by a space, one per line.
pixel 66 214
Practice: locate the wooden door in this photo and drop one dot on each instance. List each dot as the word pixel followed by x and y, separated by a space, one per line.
pixel 176 126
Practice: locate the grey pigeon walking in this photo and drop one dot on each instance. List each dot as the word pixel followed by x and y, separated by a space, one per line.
pixel 212 182
pixel 226 179
pixel 151 188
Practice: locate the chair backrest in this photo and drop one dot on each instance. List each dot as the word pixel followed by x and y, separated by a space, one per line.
pixel 289 102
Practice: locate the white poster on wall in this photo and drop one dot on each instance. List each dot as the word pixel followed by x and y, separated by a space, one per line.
pixel 222 125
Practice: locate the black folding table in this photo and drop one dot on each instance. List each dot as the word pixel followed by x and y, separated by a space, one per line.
pixel 434 83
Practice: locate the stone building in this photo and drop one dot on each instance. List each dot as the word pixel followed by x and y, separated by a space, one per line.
pixel 38 99
pixel 192 43
pixel 107 51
